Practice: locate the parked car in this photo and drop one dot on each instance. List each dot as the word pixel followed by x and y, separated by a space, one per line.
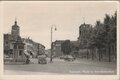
pixel 61 57
pixel 6 56
pixel 42 59
pixel 69 58
pixel 8 59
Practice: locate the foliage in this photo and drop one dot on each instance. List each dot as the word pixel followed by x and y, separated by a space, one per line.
pixel 102 34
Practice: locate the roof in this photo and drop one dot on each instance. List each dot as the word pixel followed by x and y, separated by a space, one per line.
pixel 75 43
pixel 59 40
pixel 85 25
pixel 15 24
pixel 32 42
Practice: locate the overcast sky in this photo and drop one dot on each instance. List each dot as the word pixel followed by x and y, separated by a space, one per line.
pixel 36 18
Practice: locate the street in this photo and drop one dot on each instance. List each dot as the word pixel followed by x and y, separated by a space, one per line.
pixel 59 66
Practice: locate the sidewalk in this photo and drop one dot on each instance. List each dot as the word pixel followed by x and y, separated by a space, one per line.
pixel 97 63
pixel 11 72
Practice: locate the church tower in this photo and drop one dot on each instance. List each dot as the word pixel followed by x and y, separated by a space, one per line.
pixel 15 29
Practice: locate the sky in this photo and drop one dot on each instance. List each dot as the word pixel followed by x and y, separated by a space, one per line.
pixel 35 19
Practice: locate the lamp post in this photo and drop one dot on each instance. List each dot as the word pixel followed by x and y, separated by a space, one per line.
pixel 53 27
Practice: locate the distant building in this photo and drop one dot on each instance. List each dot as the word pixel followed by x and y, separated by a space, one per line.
pixel 18 48
pixel 41 49
pixel 28 47
pixel 8 46
pixel 56 47
pixel 75 45
pixel 75 48
pixel 84 33
pixel 48 52
pixel 15 31
pixel 13 44
pixel 33 48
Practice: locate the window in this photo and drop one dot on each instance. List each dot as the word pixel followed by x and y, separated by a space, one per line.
pixel 15 46
pixel 58 45
pixel 6 42
pixel 20 53
pixel 54 48
pixel 21 47
pixel 54 53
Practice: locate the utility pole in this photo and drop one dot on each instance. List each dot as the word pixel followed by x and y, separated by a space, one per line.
pixel 53 26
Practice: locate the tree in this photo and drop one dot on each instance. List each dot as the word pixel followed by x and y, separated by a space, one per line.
pixel 66 47
pixel 99 37
pixel 91 42
pixel 110 25
pixel 102 36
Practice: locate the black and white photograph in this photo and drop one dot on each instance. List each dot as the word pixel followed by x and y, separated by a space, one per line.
pixel 60 38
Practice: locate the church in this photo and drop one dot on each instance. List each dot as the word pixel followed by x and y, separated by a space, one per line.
pixel 13 45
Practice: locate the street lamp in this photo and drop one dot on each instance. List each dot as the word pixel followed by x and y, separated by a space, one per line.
pixel 53 27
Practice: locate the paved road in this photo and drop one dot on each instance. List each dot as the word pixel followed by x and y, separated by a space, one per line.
pixel 62 67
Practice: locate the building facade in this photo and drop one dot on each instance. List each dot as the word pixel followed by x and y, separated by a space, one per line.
pixel 84 32
pixel 48 52
pixel 13 44
pixel 56 48
pixel 41 49
pixel 20 48
pixel 33 48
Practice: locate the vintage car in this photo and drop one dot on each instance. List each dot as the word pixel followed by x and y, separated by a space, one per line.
pixel 69 58
pixel 42 59
pixel 8 59
pixel 62 57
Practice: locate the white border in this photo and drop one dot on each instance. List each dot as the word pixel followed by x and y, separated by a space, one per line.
pixel 60 77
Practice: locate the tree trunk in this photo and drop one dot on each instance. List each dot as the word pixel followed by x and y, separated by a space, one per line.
pixel 92 54
pixel 106 50
pixel 109 52
pixel 112 52
pixel 87 54
pixel 115 53
pixel 82 53
pixel 99 54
